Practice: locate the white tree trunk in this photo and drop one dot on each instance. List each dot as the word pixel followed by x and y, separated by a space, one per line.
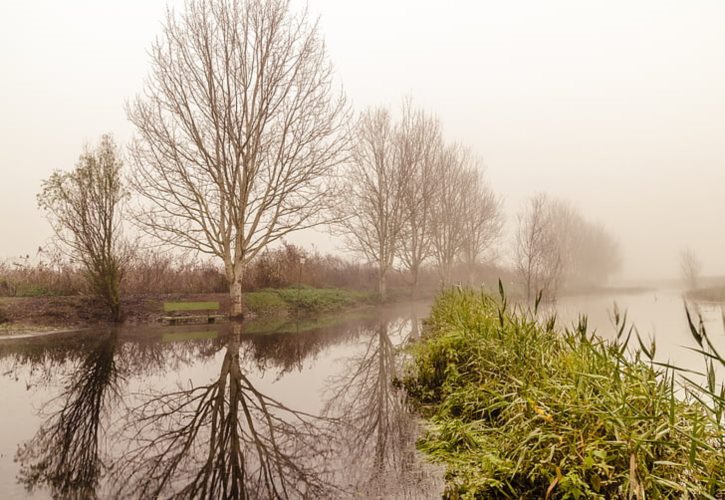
pixel 383 286
pixel 236 306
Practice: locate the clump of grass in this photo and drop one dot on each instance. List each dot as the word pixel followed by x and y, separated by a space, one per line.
pixel 304 299
pixel 322 299
pixel 264 302
pixel 518 409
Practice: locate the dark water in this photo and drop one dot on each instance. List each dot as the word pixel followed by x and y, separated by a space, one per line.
pixel 282 409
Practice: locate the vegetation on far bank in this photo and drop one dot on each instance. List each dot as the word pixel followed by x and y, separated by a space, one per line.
pixel 38 313
pixel 517 408
pixel 710 294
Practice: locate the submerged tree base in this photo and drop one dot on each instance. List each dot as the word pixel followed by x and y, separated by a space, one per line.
pixel 516 409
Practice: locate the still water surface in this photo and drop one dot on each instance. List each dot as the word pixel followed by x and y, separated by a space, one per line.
pixel 276 409
pixel 657 314
pixel 282 409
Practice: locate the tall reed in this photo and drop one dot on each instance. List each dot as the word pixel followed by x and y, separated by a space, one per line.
pixel 518 408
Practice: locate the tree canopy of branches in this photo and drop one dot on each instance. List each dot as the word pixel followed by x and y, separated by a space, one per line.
pixel 420 144
pixel 239 131
pixel 84 208
pixel 372 203
pixel 466 216
pixel 411 198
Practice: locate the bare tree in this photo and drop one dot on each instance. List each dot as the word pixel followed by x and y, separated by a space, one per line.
pixel 538 257
pixel 690 267
pixel 239 131
pixel 594 254
pixel 482 221
pixel 84 208
pixel 373 199
pixel 556 245
pixel 419 143
pixel 456 171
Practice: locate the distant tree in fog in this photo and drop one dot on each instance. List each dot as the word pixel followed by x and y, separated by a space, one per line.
pixel 556 245
pixel 373 200
pixel 239 131
pixel 538 256
pixel 690 268
pixel 419 143
pixel 595 255
pixel 482 221
pixel 84 209
pixel 456 171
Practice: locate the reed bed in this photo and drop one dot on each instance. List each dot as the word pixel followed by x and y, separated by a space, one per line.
pixel 519 408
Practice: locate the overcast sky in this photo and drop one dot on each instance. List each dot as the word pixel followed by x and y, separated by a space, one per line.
pixel 618 107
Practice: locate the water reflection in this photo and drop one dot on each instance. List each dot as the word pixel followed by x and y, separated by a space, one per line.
pixel 378 430
pixel 224 440
pixel 64 454
pixel 187 413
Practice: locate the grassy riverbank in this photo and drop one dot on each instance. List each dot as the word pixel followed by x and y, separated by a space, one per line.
pixel 37 313
pixel 519 409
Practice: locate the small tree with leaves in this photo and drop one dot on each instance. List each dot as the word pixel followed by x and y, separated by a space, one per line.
pixel 84 208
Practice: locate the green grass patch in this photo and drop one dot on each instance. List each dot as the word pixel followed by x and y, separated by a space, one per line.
pixel 304 299
pixel 520 409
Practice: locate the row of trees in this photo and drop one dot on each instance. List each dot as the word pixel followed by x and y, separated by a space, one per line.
pixel 411 197
pixel 241 138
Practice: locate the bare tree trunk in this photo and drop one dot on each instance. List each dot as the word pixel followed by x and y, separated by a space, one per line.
pixel 415 288
pixel 383 285
pixel 236 297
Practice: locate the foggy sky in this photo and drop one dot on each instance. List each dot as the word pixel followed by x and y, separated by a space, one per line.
pixel 617 107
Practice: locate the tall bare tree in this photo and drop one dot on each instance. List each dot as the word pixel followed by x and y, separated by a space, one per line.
pixel 419 142
pixel 239 131
pixel 482 220
pixel 555 245
pixel 84 208
pixel 373 200
pixel 538 258
pixel 456 171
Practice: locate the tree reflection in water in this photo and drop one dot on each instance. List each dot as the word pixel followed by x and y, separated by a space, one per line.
pixel 64 454
pixel 223 440
pixel 379 432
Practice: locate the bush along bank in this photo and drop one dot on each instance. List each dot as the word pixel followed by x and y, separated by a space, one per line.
pixel 516 408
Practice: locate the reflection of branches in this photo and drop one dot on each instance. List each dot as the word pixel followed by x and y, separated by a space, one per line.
pixel 64 452
pixel 223 440
pixel 379 432
pixel 372 407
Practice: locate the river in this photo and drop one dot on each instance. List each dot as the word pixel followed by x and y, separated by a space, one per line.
pixel 283 408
